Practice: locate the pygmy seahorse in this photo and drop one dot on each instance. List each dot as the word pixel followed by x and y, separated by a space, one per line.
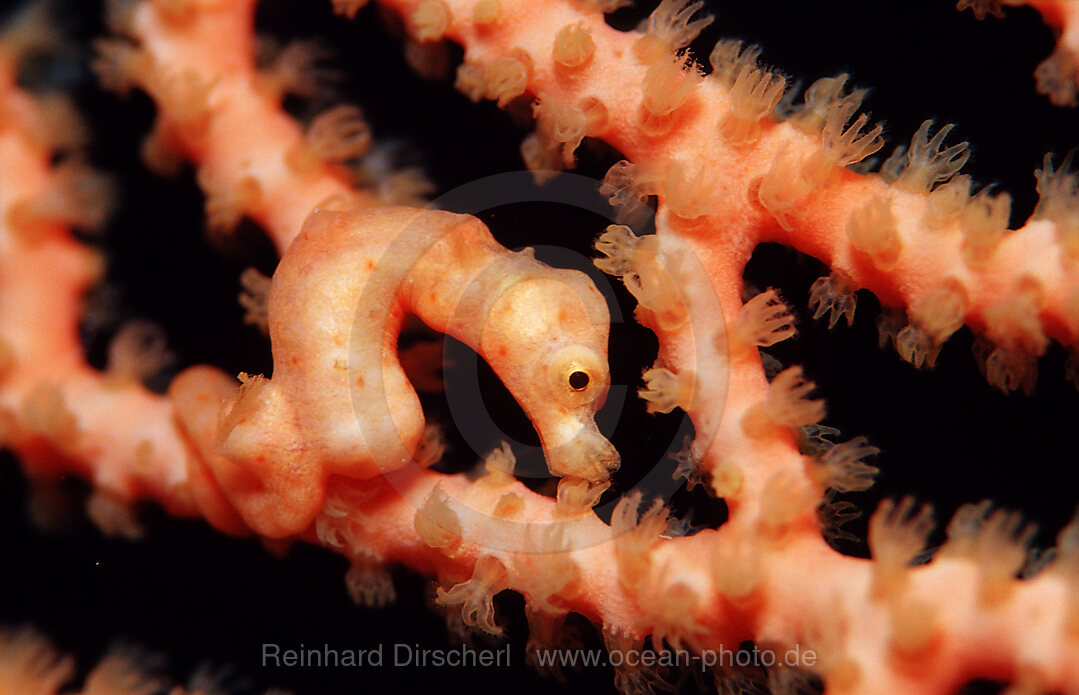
pixel 339 402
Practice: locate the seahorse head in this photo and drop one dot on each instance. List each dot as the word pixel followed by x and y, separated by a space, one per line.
pixel 546 337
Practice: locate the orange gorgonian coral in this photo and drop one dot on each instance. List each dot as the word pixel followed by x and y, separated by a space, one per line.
pixel 634 416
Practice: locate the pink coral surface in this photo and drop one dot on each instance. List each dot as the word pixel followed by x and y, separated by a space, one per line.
pixel 946 435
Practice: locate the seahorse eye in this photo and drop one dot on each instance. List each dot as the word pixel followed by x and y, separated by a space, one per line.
pixel 575 376
pixel 578 380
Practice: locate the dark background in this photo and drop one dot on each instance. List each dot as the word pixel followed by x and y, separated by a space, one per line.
pixel 197 597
